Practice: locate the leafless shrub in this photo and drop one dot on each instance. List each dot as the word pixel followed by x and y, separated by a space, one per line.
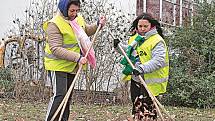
pixel 27 48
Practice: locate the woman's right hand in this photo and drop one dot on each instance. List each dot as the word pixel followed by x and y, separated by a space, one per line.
pixel 83 60
pixel 115 43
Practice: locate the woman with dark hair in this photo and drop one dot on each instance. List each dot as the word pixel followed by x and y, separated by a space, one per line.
pixel 151 62
pixel 154 23
pixel 63 52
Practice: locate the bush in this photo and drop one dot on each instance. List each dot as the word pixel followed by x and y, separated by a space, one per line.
pixel 6 82
pixel 190 91
pixel 192 65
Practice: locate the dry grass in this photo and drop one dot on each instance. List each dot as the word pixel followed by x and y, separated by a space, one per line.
pixel 11 110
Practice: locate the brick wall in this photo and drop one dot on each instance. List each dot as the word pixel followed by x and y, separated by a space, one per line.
pixel 153 7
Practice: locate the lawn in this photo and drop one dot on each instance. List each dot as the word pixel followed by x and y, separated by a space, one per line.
pixel 11 110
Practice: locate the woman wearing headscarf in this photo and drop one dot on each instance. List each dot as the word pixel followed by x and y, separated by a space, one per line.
pixel 63 52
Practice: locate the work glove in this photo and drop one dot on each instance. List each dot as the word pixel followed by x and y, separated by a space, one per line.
pixel 138 69
pixel 128 53
pixel 127 70
pixel 115 43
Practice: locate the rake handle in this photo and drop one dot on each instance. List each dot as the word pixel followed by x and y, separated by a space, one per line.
pixel 65 99
pixel 143 82
pixel 156 100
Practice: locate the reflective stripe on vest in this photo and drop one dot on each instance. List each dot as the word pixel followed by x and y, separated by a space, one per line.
pixel 158 80
pixel 70 45
pixel 64 46
pixel 50 56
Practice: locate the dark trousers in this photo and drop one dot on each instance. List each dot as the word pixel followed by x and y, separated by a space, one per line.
pixel 61 82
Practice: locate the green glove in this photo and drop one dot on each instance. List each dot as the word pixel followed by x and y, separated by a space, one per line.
pixel 128 53
pixel 127 70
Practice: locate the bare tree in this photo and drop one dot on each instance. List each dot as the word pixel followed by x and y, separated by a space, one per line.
pixel 24 46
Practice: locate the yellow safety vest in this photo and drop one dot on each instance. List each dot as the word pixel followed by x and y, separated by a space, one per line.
pixel 69 42
pixel 158 79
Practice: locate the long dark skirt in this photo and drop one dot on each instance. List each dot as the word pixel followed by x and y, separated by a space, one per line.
pixel 142 103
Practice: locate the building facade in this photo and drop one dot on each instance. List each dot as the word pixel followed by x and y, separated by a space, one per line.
pixel 168 12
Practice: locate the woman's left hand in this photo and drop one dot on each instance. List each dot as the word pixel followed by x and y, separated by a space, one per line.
pixel 138 70
pixel 102 20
